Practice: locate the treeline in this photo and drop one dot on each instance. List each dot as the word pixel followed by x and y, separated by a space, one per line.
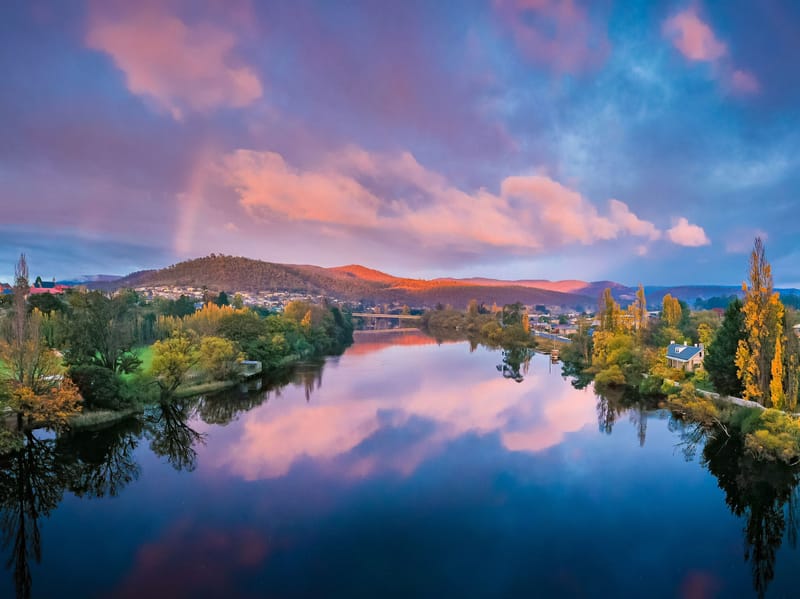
pixel 506 327
pixel 60 355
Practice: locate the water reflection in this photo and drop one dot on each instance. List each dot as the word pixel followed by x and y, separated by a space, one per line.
pixel 385 414
pixel 764 494
pixel 171 436
pixel 516 363
pixel 34 479
pixel 454 397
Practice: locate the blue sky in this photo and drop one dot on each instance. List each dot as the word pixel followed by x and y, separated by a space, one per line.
pixel 635 141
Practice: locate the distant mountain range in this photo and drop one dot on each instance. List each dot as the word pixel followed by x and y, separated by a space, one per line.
pixel 359 283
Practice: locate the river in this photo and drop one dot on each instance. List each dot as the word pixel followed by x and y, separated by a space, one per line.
pixel 403 468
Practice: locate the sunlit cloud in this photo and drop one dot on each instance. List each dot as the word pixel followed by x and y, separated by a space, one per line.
pixel 357 190
pixel 176 65
pixel 687 234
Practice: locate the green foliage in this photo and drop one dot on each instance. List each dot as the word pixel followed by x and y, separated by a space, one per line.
pixel 611 375
pixel 100 331
pixel 775 436
pixel 218 357
pixel 46 303
pixel 720 358
pixel 99 387
pixel 222 299
pixel 172 360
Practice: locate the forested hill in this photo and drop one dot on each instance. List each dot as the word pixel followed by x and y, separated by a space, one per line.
pixel 348 283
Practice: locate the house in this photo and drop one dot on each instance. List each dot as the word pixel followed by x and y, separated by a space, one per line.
pixel 685 357
pixel 51 288
pixel 796 329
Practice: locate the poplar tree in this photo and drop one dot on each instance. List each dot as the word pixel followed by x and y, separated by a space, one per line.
pixel 671 311
pixel 763 322
pixel 609 312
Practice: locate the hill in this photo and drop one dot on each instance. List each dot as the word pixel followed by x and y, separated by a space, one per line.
pixel 358 283
pixel 348 283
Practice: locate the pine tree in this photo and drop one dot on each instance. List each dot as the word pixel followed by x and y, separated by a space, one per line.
pixel 721 352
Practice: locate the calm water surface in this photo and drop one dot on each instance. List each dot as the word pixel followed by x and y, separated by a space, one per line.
pixel 402 468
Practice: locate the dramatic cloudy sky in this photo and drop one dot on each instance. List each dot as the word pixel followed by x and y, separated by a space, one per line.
pixel 633 140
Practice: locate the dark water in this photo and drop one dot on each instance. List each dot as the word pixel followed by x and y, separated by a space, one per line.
pixel 402 468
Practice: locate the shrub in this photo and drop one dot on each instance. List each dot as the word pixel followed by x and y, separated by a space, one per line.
pixel 99 387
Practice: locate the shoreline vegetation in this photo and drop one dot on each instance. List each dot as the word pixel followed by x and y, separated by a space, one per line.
pixel 87 360
pixel 751 354
pixel 746 386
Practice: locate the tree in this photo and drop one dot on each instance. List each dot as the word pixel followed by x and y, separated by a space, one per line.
pixel 222 299
pixel 172 360
pixel 640 316
pixel 238 301
pixel 100 331
pixel 609 312
pixel 763 317
pixel 671 312
pixel 53 407
pixel 720 358
pixel 218 357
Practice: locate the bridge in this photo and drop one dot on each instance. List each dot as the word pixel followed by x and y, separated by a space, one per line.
pixel 394 316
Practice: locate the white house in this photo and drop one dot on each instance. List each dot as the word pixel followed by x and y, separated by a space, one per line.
pixel 686 357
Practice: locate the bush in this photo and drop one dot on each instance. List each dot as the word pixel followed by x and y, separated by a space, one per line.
pixel 99 387
pixel 612 375
pixel 774 436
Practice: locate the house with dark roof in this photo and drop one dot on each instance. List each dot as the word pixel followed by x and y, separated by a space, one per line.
pixel 685 357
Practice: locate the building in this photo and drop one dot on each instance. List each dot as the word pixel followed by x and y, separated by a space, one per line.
pixel 685 357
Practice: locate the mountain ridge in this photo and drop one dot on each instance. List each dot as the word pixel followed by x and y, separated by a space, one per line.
pixel 358 283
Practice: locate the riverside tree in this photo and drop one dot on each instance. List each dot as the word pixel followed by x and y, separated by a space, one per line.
pixel 33 382
pixel 720 359
pixel 757 361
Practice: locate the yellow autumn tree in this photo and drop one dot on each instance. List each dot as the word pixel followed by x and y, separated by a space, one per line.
pixel 53 407
pixel 763 322
pixel 609 312
pixel 671 311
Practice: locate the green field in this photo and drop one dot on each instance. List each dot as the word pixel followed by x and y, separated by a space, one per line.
pixel 146 356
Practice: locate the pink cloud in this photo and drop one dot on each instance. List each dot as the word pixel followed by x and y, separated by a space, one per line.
pixel 693 37
pixel 745 82
pixel 169 566
pixel 175 65
pixel 393 194
pixel 686 234
pixel 289 429
pixel 556 33
pixel 630 223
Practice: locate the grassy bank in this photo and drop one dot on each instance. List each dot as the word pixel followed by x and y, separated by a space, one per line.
pixel 95 419
pixel 203 388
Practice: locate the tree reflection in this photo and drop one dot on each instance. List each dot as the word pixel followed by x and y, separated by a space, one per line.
pixel 515 364
pixel 103 461
pixel 31 486
pixel 171 436
pixel 764 494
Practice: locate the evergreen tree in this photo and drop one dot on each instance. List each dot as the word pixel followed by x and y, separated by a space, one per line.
pixel 721 353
